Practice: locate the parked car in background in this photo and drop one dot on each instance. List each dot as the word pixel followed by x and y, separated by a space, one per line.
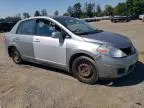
pixel 133 17
pixel 94 19
pixel 71 44
pixel 116 19
pixel 141 17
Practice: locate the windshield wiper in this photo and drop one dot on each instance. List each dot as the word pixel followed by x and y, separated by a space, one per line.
pixel 84 33
pixel 91 32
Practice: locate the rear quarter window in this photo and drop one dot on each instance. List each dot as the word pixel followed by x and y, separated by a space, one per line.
pixel 19 29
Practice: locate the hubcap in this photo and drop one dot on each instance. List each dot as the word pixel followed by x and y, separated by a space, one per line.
pixel 85 70
pixel 16 56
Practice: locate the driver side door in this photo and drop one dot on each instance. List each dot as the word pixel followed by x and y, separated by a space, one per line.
pixel 47 48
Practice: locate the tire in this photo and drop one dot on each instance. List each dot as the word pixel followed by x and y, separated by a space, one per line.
pixel 84 69
pixel 15 55
pixel 115 21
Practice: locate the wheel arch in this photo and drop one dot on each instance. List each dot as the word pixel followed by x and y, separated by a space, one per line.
pixel 76 55
pixel 10 49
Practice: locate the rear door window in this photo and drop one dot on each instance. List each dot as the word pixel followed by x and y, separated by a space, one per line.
pixel 26 27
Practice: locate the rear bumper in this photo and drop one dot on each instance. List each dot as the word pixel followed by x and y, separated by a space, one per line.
pixel 116 67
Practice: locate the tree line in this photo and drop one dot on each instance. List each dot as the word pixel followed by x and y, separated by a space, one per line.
pixel 127 8
pixel 18 17
pixel 89 9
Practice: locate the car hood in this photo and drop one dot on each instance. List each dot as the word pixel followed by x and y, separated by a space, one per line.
pixel 112 39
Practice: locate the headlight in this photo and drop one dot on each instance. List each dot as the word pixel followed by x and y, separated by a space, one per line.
pixel 110 51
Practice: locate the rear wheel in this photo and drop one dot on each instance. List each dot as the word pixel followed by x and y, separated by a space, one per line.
pixel 16 57
pixel 84 69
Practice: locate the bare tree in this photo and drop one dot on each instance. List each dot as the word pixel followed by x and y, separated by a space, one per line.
pixel 44 12
pixel 98 10
pixel 70 11
pixel 37 13
pixel 26 15
pixel 77 10
pixel 56 13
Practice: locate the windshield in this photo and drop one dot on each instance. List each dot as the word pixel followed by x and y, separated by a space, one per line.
pixel 76 26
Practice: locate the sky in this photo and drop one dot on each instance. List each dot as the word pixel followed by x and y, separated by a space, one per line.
pixel 13 7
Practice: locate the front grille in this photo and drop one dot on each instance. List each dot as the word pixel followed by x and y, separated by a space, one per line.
pixel 128 51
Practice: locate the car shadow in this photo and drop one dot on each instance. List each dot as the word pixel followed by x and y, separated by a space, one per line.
pixel 134 78
pixel 49 68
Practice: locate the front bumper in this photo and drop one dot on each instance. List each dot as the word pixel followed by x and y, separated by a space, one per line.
pixel 115 67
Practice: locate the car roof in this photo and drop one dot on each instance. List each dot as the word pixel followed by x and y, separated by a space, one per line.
pixel 35 18
pixel 47 17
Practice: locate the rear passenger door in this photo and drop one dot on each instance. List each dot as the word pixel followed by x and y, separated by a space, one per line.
pixel 24 38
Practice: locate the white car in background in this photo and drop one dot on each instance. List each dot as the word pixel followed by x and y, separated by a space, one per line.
pixel 141 17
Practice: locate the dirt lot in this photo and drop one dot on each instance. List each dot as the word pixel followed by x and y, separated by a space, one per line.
pixel 33 86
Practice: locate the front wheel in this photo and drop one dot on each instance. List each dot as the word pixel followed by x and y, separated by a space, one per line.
pixel 16 57
pixel 84 69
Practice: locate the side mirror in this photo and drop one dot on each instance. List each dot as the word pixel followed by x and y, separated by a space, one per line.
pixel 57 35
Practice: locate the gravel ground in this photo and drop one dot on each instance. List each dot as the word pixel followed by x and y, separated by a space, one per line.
pixel 34 86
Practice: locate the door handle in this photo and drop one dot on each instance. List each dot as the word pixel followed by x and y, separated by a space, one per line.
pixel 37 40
